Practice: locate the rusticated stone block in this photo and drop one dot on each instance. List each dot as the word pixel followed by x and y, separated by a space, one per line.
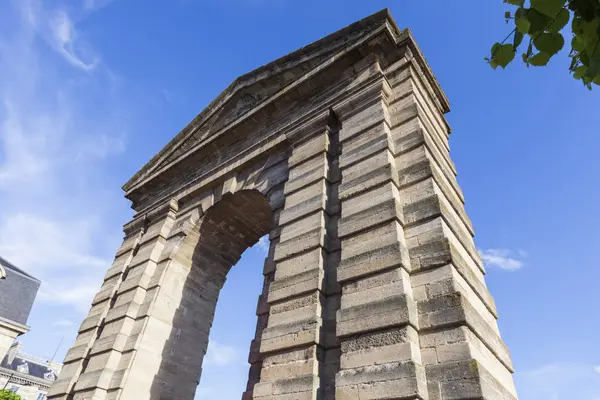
pixel 396 310
pixel 367 174
pixel 370 209
pixel 373 251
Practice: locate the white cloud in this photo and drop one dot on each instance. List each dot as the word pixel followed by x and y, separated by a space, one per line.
pixel 74 293
pixel 60 124
pixel 559 381
pixel 501 258
pixel 45 246
pixel 52 22
pixel 57 253
pixel 66 41
pixel 63 323
pixel 522 253
pixel 597 369
pixel 263 244
pixel 202 391
pixel 94 5
pixel 219 354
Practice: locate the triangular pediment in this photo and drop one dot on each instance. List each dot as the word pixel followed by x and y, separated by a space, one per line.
pixel 251 90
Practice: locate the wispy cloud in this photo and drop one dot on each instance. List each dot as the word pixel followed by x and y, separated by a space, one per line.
pixel 94 5
pixel 219 354
pixel 203 391
pixel 66 40
pixel 502 258
pixel 60 124
pixel 57 252
pixel 63 323
pixel 54 24
pixel 597 369
pixel 44 245
pixel 559 381
pixel 263 244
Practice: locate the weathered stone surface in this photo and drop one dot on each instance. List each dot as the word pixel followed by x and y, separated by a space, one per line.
pixel 373 251
pixel 373 288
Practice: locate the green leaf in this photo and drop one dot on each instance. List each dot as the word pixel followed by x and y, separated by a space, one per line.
pixel 504 55
pixel 513 2
pixel 597 80
pixel 577 44
pixel 518 38
pixel 584 58
pixel 495 48
pixel 594 65
pixel 590 35
pixel 540 59
pixel 493 64
pixel 579 72
pixel 548 7
pixel 560 21
pixel 522 24
pixel 550 43
pixel 507 14
pixel 584 8
pixel 538 22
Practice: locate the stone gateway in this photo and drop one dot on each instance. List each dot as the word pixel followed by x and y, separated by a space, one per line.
pixel 373 288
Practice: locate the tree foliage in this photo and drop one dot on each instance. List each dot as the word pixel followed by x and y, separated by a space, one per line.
pixel 8 395
pixel 542 22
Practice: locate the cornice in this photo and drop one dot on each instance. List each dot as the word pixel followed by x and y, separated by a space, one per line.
pixel 13 326
pixel 406 37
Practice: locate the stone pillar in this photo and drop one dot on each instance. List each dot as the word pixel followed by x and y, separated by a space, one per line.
pixel 293 336
pixel 416 319
pixel 460 342
pixel 95 366
pixel 377 323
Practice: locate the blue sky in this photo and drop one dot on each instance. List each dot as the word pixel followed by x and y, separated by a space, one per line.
pixel 91 89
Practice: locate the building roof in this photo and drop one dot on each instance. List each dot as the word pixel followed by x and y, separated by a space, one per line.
pixel 37 368
pixel 5 264
pixel 18 290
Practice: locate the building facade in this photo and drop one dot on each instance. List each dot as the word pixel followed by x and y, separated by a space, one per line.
pixel 17 294
pixel 28 376
pixel 373 287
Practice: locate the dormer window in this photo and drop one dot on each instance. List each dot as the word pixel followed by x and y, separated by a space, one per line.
pixel 24 368
pixel 50 376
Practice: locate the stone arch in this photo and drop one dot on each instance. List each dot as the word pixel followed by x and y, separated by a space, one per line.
pixel 373 285
pixel 197 271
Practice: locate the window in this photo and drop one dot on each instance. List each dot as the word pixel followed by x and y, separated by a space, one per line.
pixel 50 376
pixel 24 367
pixel 41 396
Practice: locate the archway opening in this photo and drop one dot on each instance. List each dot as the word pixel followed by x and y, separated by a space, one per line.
pixel 236 230
pixel 225 367
pixel 232 225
